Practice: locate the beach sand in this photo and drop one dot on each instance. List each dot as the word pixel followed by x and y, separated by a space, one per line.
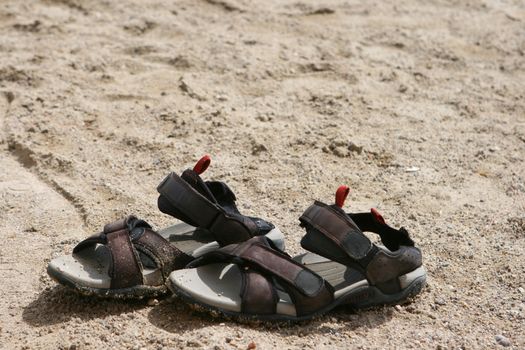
pixel 418 106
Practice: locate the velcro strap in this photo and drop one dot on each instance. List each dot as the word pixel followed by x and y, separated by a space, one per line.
pixel 125 270
pixel 188 201
pixel 284 268
pixel 257 254
pixel 229 230
pixel 337 227
pixel 258 294
pixel 308 291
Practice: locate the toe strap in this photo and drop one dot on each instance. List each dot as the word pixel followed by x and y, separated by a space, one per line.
pixel 126 270
pixel 260 264
pixel 258 294
pixel 127 240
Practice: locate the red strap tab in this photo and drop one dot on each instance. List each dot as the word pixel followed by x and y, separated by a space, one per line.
pixel 341 194
pixel 378 216
pixel 202 164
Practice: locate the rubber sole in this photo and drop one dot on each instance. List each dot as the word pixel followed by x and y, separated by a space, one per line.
pixel 359 298
pixel 135 292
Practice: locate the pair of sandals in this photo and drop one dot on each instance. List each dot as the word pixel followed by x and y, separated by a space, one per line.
pixel 234 265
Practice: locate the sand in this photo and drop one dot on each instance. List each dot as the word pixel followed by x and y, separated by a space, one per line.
pixel 418 106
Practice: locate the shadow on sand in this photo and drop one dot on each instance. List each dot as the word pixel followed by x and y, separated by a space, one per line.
pixel 175 316
pixel 58 305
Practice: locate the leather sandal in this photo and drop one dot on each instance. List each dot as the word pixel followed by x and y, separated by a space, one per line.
pixel 128 259
pixel 255 280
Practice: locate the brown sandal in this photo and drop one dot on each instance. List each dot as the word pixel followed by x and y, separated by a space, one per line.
pixel 128 259
pixel 254 280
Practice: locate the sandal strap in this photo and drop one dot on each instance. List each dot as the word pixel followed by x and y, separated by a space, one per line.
pixel 128 237
pixel 189 201
pixel 191 206
pixel 308 290
pixel 101 238
pixel 324 222
pixel 390 237
pixel 166 256
pixel 118 225
pixel 258 294
pixel 126 270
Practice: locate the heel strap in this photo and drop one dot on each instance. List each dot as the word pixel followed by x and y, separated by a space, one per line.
pixel 189 205
pixel 188 201
pixel 328 223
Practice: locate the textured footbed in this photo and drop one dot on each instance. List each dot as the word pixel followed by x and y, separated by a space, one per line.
pixel 87 271
pixel 217 287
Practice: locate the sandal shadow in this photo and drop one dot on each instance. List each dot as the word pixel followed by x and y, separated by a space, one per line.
pixel 58 305
pixel 174 316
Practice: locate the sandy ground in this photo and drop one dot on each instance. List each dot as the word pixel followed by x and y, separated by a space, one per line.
pixel 417 105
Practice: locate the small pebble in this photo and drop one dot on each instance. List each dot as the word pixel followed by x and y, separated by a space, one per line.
pixel 193 344
pixel 252 346
pixel 153 302
pixel 412 169
pixel 352 147
pixel 502 340
pixel 440 301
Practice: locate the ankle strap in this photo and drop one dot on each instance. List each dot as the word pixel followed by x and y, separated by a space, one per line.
pixel 179 199
pixel 330 232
